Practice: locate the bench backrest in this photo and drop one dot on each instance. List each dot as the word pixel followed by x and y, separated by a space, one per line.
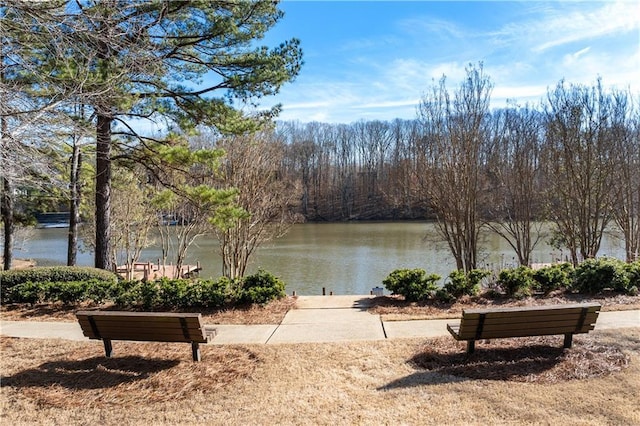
pixel 528 321
pixel 142 326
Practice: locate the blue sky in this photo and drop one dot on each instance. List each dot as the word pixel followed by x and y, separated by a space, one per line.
pixel 373 60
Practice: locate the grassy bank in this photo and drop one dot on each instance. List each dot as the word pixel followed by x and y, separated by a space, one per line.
pixel 412 381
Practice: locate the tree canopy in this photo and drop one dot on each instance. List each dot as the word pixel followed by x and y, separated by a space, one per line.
pixel 178 64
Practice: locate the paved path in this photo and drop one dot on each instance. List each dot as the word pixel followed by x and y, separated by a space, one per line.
pixel 315 319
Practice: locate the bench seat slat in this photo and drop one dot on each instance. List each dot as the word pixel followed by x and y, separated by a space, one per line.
pixel 518 332
pixel 527 315
pixel 149 337
pixel 145 326
pixel 537 322
pixel 523 333
pixel 525 321
pixel 176 334
pixel 544 308
pixel 155 315
pixel 142 320
pixel 140 324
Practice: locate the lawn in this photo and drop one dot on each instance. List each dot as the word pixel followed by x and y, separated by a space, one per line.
pixel 404 381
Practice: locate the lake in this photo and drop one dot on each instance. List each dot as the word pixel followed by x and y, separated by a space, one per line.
pixel 344 258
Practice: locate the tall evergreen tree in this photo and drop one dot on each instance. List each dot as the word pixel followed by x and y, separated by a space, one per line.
pixel 175 63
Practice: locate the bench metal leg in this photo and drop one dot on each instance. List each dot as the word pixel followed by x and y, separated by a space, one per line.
pixel 108 349
pixel 471 346
pixel 568 340
pixel 195 351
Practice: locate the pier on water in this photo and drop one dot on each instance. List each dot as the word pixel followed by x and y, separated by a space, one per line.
pixel 145 271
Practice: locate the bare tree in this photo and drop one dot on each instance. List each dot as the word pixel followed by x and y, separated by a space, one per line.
pixel 626 139
pixel 514 203
pixel 579 161
pixel 455 135
pixel 266 203
pixel 26 127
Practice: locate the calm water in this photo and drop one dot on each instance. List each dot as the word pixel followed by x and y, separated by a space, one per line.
pixel 346 258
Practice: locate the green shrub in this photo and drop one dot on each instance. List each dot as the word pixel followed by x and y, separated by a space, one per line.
pixel 54 274
pixel 261 287
pixel 596 275
pixel 444 296
pixel 149 292
pixel 68 292
pixel 99 292
pixel 461 284
pixel 213 293
pixel 553 277
pixel 27 292
pixel 517 282
pixel 172 292
pixel 413 284
pixel 632 271
pixel 126 293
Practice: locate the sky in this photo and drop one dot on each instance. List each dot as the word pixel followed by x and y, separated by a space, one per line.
pixel 374 60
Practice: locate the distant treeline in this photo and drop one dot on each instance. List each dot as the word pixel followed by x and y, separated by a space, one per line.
pixel 373 170
pixel 574 160
pixel 359 171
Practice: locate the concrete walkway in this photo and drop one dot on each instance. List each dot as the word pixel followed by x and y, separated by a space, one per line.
pixel 315 319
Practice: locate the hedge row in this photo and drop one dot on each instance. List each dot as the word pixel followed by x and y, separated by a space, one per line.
pixel 592 276
pixel 14 277
pixel 167 294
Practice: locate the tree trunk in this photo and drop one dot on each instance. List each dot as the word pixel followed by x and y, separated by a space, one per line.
pixel 7 220
pixel 103 193
pixel 74 207
pixel 6 206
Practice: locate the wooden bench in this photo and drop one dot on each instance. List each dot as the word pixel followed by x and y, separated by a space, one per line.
pixel 569 319
pixel 145 326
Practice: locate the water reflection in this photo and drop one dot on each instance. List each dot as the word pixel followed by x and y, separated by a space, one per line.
pixel 346 258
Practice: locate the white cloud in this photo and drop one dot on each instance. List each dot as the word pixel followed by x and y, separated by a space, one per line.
pixel 383 76
pixel 391 104
pixel 586 22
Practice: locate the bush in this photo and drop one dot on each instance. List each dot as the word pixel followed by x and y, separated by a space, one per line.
pixel 149 294
pixel 160 294
pixel 99 291
pixel 27 292
pixel 554 277
pixel 444 296
pixel 517 282
pixel 210 293
pixel 172 292
pixel 184 293
pixel 126 293
pixel 413 284
pixel 461 284
pixel 55 274
pixel 596 275
pixel 261 288
pixel 51 274
pixel 632 271
pixel 68 292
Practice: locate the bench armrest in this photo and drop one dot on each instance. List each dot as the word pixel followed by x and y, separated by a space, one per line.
pixel 454 329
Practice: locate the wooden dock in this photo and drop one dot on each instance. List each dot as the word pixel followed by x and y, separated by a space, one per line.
pixel 145 271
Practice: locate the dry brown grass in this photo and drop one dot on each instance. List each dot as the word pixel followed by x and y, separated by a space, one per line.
pixel 405 381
